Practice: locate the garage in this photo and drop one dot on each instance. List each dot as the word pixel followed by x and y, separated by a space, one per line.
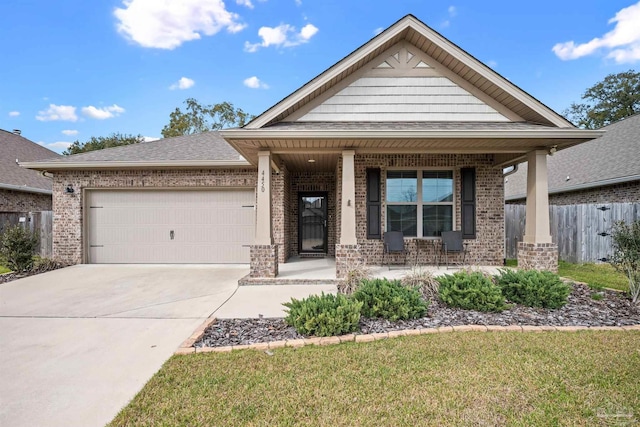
pixel 169 226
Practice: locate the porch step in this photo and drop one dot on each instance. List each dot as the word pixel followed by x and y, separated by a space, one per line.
pixel 312 255
pixel 260 281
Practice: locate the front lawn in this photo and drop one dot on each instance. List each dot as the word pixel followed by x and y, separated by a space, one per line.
pixel 584 378
pixel 594 274
pixel 4 269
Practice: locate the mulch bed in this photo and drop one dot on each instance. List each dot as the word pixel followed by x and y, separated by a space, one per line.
pixel 614 309
pixel 10 277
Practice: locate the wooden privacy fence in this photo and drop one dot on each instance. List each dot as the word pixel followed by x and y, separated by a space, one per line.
pixel 40 222
pixel 582 232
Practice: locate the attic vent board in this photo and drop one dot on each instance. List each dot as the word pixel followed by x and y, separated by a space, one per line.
pixel 397 56
pixel 409 56
pixel 385 64
pixel 422 65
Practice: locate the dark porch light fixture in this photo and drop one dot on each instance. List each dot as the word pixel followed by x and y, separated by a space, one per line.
pixel 69 189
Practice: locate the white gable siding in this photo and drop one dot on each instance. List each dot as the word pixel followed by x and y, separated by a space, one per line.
pixel 432 98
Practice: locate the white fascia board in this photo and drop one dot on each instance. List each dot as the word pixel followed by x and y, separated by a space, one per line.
pixel 133 165
pixel 25 189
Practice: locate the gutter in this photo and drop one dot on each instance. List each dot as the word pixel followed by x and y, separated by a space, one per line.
pixel 135 165
pixel 242 134
pixel 25 189
pixel 586 185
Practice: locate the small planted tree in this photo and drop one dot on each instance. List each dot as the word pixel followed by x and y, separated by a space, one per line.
pixel 626 254
pixel 17 247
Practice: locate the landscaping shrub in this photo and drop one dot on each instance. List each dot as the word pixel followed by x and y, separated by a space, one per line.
pixel 390 300
pixel 626 254
pixel 323 315
pixel 423 281
pixel 533 288
pixel 355 275
pixel 471 291
pixel 42 265
pixel 17 247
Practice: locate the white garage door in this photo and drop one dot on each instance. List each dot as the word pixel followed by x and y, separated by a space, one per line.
pixel 170 226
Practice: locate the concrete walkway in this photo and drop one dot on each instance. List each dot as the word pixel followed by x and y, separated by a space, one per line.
pixel 78 343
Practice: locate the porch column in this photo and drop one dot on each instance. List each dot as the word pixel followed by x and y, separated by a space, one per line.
pixel 264 254
pixel 537 251
pixel 347 250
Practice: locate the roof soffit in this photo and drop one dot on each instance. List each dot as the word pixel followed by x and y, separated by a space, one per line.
pixel 447 55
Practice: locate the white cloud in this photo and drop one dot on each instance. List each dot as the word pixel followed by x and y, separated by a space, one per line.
pixel 56 146
pixel 255 83
pixel 14 113
pixel 283 35
pixel 70 132
pixel 166 24
pixel 378 31
pixel 623 42
pixel 452 11
pixel 491 63
pixel 183 83
pixel 445 23
pixel 150 138
pixel 246 3
pixel 298 2
pixel 58 112
pixel 102 113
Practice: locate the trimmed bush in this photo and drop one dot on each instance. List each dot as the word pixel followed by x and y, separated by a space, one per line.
pixel 17 247
pixel 390 300
pixel 323 315
pixel 533 288
pixel 471 291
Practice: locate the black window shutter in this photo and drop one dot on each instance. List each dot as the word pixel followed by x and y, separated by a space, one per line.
pixel 374 227
pixel 468 197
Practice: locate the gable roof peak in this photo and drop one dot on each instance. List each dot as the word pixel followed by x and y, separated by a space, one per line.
pixel 412 30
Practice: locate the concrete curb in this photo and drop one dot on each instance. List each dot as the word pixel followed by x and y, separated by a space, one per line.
pixel 186 347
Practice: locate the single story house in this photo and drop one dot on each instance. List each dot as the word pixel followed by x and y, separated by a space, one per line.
pixel 604 170
pixel 409 133
pixel 23 190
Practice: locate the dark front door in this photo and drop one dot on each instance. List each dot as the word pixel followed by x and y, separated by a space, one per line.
pixel 312 225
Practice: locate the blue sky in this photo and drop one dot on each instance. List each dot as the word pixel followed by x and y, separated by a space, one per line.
pixel 74 69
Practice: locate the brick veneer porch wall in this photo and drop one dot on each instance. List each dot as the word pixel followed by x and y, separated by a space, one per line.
pixel 626 192
pixel 67 208
pixel 281 211
pixel 486 249
pixel 20 201
pixel 302 182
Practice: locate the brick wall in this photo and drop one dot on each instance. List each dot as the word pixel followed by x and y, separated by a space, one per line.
pixel 626 192
pixel 21 201
pixel 486 249
pixel 68 215
pixel 302 182
pixel 281 211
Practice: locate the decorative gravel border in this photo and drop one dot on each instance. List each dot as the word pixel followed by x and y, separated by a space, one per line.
pixel 187 346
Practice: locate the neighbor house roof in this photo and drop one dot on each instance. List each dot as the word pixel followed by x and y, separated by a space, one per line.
pixel 611 159
pixel 207 149
pixel 15 148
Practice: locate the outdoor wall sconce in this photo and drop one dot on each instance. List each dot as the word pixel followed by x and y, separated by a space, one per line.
pixel 69 189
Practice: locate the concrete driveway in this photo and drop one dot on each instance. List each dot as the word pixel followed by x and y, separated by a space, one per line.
pixel 77 344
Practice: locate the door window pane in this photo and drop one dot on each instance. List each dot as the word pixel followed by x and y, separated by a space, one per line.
pixel 436 219
pixel 437 186
pixel 402 186
pixel 402 218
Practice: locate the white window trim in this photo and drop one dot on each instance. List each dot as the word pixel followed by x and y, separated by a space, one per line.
pixel 418 203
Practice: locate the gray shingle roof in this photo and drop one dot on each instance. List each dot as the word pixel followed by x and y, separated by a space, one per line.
pixel 204 146
pixel 615 155
pixel 14 147
pixel 406 126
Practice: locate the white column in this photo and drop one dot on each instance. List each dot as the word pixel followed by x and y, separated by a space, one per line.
pixel 263 208
pixel 537 229
pixel 348 212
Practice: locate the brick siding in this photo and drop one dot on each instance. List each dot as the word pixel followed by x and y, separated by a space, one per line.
pixel 538 256
pixel 21 201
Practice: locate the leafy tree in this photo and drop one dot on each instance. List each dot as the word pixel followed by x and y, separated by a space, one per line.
pixel 201 118
pixel 612 99
pixel 100 142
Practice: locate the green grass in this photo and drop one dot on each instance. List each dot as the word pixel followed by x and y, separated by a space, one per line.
pixel 511 263
pixel 584 378
pixel 4 269
pixel 596 275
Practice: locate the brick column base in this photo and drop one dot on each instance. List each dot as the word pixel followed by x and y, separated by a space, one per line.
pixel 347 256
pixel 264 261
pixel 538 256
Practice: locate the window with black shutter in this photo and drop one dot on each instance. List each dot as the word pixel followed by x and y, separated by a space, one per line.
pixel 468 199
pixel 374 225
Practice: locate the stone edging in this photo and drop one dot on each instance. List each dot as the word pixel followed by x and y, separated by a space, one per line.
pixel 187 346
